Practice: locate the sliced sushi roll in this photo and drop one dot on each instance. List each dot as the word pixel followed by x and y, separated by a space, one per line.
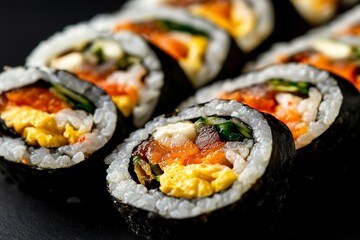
pixel 214 169
pixel 294 18
pixel 249 22
pixel 323 113
pixel 317 12
pixel 300 96
pixel 134 74
pixel 330 52
pixel 338 56
pixel 55 132
pixel 205 52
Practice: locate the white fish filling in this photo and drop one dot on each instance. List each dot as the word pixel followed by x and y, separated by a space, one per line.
pixel 237 153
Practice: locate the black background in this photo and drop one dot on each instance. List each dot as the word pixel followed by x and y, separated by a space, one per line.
pixel 24 23
pixel 22 216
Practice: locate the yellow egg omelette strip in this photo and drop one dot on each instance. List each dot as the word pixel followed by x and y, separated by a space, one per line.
pixel 196 180
pixel 196 50
pixel 240 21
pixel 125 104
pixel 38 128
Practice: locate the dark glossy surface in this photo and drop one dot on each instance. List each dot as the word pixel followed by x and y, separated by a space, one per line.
pixel 24 216
pixel 27 217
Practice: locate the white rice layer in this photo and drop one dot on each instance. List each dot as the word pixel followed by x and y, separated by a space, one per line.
pixel 75 36
pixel 15 149
pixel 126 190
pixel 327 112
pixel 219 41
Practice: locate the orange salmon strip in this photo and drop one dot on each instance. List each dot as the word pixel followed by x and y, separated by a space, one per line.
pixel 38 98
pixel 159 38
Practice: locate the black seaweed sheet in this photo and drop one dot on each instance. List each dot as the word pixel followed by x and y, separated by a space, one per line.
pixel 23 25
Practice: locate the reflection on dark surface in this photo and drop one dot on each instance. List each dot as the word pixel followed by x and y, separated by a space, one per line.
pixel 24 216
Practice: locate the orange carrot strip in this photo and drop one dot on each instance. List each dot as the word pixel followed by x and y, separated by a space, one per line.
pixel 170 45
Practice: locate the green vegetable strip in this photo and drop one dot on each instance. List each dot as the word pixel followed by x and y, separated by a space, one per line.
pixel 77 101
pixel 155 169
pixel 168 25
pixel 127 61
pixel 282 85
pixel 229 130
pixel 356 53
pixel 99 53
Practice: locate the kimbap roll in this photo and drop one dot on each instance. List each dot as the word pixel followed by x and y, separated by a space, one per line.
pixel 315 12
pixel 298 17
pixel 55 132
pixel 334 53
pixel 205 52
pixel 249 22
pixel 131 71
pixel 311 102
pixel 214 169
pixel 323 113
pixel 338 56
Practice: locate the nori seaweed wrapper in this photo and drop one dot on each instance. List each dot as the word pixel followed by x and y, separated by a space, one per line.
pixel 177 85
pixel 254 214
pixel 233 64
pixel 83 181
pixel 326 170
pixel 288 22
